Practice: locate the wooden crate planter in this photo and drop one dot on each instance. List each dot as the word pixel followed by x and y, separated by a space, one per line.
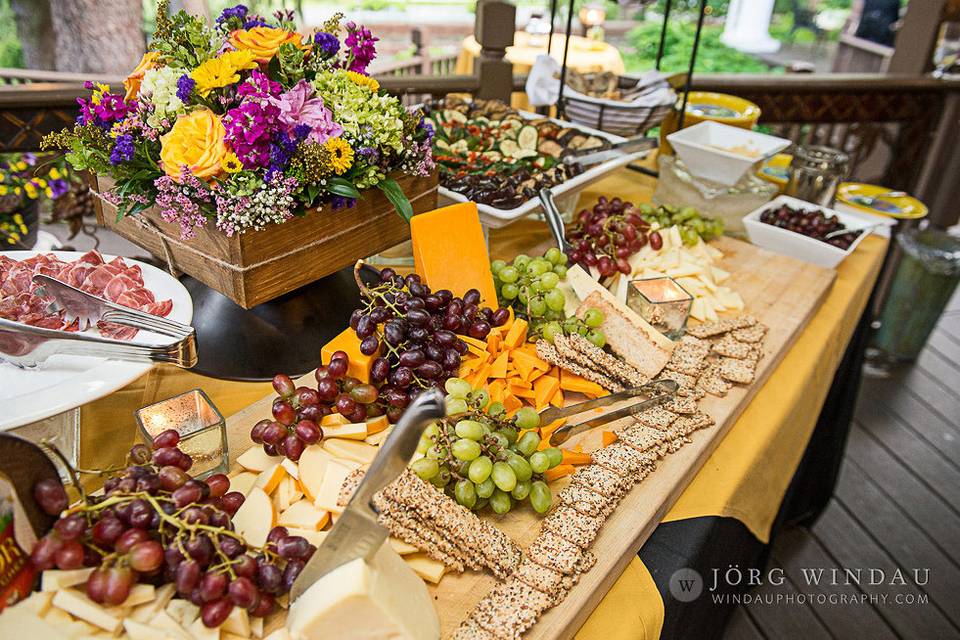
pixel 258 266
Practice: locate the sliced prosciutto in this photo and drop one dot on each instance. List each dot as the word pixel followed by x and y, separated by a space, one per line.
pixel 116 281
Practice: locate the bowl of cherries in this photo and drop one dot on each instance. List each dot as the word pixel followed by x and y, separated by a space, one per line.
pixel 805 231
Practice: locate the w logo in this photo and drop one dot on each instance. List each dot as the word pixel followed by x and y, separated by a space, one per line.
pixel 686 585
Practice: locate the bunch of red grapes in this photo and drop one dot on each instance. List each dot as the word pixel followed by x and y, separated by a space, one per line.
pixel 813 223
pixel 298 411
pixel 413 331
pixel 156 524
pixel 609 234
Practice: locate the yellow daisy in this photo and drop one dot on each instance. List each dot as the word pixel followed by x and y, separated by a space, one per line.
pixel 341 155
pixel 231 163
pixel 363 81
pixel 222 71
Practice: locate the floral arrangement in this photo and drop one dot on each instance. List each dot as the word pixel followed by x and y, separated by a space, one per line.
pixel 26 178
pixel 247 123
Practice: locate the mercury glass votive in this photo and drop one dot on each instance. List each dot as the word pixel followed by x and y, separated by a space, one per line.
pixel 661 302
pixel 203 431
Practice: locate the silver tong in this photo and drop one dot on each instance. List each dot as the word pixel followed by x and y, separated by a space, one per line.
pixel 617 150
pixel 27 346
pixel 652 394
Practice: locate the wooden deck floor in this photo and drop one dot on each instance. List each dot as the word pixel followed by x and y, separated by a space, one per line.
pixel 896 506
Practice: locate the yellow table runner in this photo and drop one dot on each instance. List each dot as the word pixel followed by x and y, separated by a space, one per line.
pixel 745 478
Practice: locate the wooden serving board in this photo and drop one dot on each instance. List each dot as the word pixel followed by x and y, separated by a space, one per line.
pixel 782 293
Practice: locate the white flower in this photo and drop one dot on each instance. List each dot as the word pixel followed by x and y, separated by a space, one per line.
pixel 159 88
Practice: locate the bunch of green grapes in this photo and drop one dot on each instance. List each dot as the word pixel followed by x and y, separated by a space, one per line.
pixel 480 457
pixel 691 223
pixel 530 286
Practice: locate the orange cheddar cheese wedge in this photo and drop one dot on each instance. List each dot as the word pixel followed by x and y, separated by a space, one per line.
pixel 543 390
pixel 510 402
pixel 517 334
pixel 450 252
pixel 557 399
pixel 558 472
pixel 348 341
pixel 608 438
pixel 498 369
pixel 572 382
pixel 575 457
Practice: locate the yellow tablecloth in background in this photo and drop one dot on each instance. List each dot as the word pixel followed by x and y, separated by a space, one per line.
pixel 745 478
pixel 584 55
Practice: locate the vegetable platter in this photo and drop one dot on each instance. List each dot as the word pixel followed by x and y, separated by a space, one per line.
pixel 505 137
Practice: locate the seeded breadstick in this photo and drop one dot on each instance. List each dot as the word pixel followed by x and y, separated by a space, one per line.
pixel 601 480
pixel 552 551
pixel 470 630
pixel 548 352
pixel 587 501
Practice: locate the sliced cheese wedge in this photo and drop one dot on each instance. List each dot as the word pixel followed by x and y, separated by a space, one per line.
pixel 237 622
pixel 351 450
pixel 270 478
pixel 312 467
pixel 378 438
pixel 426 567
pixel 333 478
pixel 200 631
pixel 402 547
pixel 255 517
pixel 243 482
pixel 255 459
pixel 382 599
pixel 350 431
pixel 54 579
pixel 80 606
pixel 20 623
pixel 141 631
pixel 303 515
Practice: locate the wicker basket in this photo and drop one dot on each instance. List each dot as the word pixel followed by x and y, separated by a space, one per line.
pixel 612 116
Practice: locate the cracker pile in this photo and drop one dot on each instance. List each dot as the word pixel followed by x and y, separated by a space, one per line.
pixel 421 515
pixel 578 355
pixel 558 557
pixel 713 357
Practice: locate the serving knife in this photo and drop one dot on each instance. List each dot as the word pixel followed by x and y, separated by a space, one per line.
pixel 357 534
pixel 618 150
pixel 651 394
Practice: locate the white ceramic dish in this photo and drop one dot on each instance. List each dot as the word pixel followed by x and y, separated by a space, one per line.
pixel 566 193
pixel 797 245
pixel 66 382
pixel 705 149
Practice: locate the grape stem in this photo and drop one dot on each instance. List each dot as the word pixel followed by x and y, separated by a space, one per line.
pixel 74 480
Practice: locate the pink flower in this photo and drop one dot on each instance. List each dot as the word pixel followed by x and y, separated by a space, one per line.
pixel 297 107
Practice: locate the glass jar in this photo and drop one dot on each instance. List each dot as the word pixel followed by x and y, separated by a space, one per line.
pixel 815 174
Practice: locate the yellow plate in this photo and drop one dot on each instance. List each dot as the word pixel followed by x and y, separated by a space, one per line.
pixel 776 170
pixel 856 194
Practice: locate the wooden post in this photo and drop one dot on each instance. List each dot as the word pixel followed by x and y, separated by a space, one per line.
pixel 493 29
pixel 917 37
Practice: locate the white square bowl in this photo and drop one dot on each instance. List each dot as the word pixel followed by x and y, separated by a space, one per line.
pixel 703 148
pixel 797 245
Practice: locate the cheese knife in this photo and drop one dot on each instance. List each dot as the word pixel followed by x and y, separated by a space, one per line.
pixel 357 534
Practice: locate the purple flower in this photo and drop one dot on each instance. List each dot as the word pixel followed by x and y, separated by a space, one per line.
pixel 255 21
pixel 238 11
pixel 183 202
pixel 122 149
pixel 102 109
pixel 297 107
pixel 258 85
pixel 362 47
pixel 58 188
pixel 185 85
pixel 327 42
pixel 341 202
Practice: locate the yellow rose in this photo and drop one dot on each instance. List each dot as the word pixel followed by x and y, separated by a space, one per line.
pixel 132 83
pixel 196 140
pixel 264 41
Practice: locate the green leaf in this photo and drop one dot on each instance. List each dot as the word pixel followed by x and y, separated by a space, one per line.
pixel 396 196
pixel 341 187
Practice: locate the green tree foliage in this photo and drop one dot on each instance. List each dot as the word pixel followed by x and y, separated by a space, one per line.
pixel 712 57
pixel 11 55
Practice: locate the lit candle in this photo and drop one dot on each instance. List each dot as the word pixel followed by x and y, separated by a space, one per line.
pixel 661 302
pixel 203 434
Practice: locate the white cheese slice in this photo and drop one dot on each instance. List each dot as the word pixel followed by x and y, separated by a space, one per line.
pixel 200 631
pixel 291 467
pixel 336 472
pixel 351 431
pixel 380 599
pixel 402 547
pixel 164 594
pixel 378 438
pixel 351 450
pixel 183 611
pixel 54 579
pixel 312 536
pixel 303 515
pixel 21 623
pixel 255 517
pixel 38 602
pixel 256 460
pixel 80 606
pixel 426 567
pixel 243 482
pixel 141 631
pixel 237 622
pixel 312 467
pixel 169 626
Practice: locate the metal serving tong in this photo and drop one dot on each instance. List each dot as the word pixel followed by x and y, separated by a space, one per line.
pixel 651 394
pixel 27 346
pixel 619 149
